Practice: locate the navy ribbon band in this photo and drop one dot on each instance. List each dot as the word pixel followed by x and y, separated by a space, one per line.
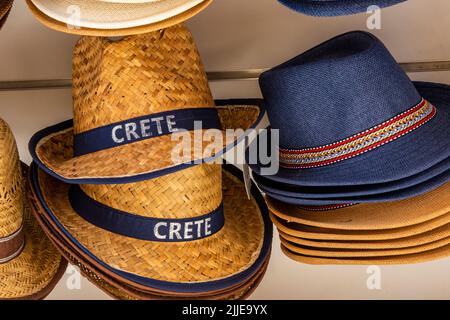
pixel 142 128
pixel 144 228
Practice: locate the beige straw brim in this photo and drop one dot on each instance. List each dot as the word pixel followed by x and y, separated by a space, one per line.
pixel 56 150
pixel 363 253
pixel 38 268
pixel 232 250
pixel 371 216
pixel 323 234
pixel 426 256
pixel 413 241
pixel 62 27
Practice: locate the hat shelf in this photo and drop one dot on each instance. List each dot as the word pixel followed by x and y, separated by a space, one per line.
pixel 236 75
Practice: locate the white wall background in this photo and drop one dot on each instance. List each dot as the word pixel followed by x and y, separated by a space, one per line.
pixel 233 35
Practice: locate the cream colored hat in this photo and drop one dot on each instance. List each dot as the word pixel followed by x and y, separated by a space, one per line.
pixel 114 18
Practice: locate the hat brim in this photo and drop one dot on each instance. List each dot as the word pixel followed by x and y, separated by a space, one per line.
pixel 363 253
pixel 5 9
pixel 288 190
pixel 104 15
pixel 405 157
pixel 421 257
pixel 400 243
pixel 327 235
pixel 376 216
pixel 142 264
pixel 397 195
pixel 52 150
pixel 335 8
pixel 63 27
pixel 118 290
pixel 37 269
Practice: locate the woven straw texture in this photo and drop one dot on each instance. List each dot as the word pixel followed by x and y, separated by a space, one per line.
pixel 378 216
pixel 63 27
pixel 140 75
pixel 38 268
pixel 122 291
pixel 440 253
pixel 326 235
pixel 230 251
pixel 5 8
pixel 11 183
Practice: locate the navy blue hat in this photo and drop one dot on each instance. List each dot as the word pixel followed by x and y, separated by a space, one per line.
pixel 272 187
pixel 396 195
pixel 328 8
pixel 347 114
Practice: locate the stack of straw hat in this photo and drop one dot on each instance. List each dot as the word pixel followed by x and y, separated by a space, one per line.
pixel 114 17
pixel 363 157
pixel 139 222
pixel 5 8
pixel 327 8
pixel 30 266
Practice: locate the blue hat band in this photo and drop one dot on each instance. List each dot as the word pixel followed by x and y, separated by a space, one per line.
pixel 145 228
pixel 143 128
pixel 360 143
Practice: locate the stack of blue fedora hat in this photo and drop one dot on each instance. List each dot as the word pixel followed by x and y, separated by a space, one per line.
pixel 327 8
pixel 363 156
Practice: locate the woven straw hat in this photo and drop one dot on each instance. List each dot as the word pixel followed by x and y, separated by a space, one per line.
pixel 119 290
pixel 156 78
pixel 5 8
pixel 114 18
pixel 378 216
pixel 29 264
pixel 426 256
pixel 140 249
pixel 325 235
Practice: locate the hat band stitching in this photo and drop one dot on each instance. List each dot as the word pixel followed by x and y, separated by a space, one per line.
pixel 145 228
pixel 11 246
pixel 143 128
pixel 360 143
pixel 327 207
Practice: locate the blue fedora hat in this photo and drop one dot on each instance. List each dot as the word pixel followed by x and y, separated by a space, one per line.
pixel 328 8
pixel 269 186
pixel 347 114
pixel 397 195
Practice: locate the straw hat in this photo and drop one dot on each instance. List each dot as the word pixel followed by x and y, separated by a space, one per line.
pixel 377 216
pixel 113 287
pixel 149 245
pixel 426 256
pixel 327 8
pixel 129 96
pixel 114 18
pixel 29 264
pixel 5 8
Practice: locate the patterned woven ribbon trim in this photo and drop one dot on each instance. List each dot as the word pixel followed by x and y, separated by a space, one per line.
pixel 360 143
pixel 11 246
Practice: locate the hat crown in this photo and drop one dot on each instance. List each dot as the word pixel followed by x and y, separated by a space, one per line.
pixel 11 183
pixel 140 75
pixel 340 88
pixel 188 193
